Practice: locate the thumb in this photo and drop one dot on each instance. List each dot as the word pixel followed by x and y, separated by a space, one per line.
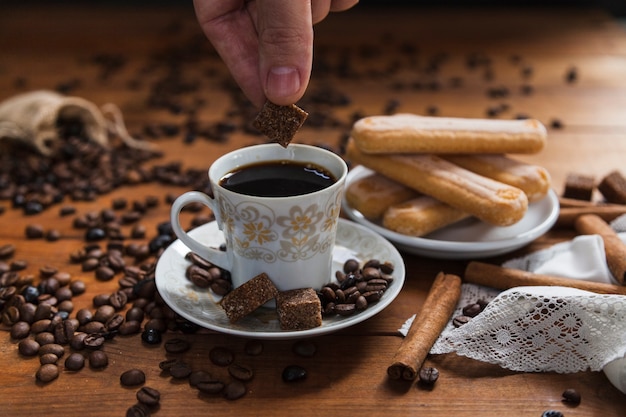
pixel 285 31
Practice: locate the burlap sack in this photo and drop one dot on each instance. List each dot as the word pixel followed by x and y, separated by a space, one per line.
pixel 31 118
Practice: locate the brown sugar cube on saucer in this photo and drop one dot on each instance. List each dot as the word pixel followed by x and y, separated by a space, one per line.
pixel 280 123
pixel 613 188
pixel 579 187
pixel 246 298
pixel 299 309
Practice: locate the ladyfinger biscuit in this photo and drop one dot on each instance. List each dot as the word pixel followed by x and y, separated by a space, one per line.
pixel 532 179
pixel 420 216
pixel 489 200
pixel 409 133
pixel 373 194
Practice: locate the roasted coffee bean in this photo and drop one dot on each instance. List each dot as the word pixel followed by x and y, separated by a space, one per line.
pixel 77 342
pixel 148 396
pixel 221 286
pixel 240 371
pixel 552 413
pixel 47 373
pixel 253 347
pixel 167 364
pixel 200 277
pixel 10 316
pixel 428 375
pixel 135 314
pixel 104 313
pixel 104 273
pixel 53 235
pixel 93 327
pixel 90 264
pixel 221 356
pixel 176 345
pixel 53 348
pixel 77 287
pixel 101 299
pixel 64 331
pixel 200 376
pixel 28 347
pixel 361 303
pixel 235 390
pixel 180 370
pixel 20 330
pixel 304 348
pixel 118 300
pixel 48 358
pixel 571 396
pixel 114 323
pixel 34 231
pixel 459 321
pixel 138 410
pixel 151 336
pixel 18 265
pixel 472 310
pixel 7 250
pixel 373 296
pixel 95 234
pixel 293 373
pixel 98 359
pixel 45 338
pixel 213 386
pixel 94 340
pixel 74 362
pixel 345 309
pixel 129 327
pixel 351 265
pixel 132 377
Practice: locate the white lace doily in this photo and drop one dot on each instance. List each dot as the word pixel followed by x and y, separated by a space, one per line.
pixel 543 329
pixel 547 329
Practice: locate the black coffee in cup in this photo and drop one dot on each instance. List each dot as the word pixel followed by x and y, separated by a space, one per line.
pixel 278 179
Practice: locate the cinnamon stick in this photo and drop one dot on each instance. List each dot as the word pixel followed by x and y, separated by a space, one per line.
pixel 439 305
pixel 501 278
pixel 568 215
pixel 614 248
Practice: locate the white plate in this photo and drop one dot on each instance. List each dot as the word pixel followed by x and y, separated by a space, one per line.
pixel 470 238
pixel 202 307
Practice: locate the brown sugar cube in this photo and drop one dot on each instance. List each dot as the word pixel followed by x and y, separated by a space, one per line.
pixel 246 298
pixel 613 188
pixel 280 123
pixel 579 187
pixel 299 309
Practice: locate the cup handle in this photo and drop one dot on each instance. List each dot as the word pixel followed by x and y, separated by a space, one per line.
pixel 215 256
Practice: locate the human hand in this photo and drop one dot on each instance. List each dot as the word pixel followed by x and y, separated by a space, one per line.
pixel 266 44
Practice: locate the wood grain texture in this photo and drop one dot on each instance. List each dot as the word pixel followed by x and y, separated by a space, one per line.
pixel 389 52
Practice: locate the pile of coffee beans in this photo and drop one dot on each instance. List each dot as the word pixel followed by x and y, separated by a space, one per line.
pixel 356 288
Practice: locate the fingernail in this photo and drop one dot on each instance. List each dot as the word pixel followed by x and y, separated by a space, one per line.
pixel 282 82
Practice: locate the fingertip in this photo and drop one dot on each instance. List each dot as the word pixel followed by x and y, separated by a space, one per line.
pixel 284 85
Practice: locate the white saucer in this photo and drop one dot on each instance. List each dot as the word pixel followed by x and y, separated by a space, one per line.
pixel 201 306
pixel 470 238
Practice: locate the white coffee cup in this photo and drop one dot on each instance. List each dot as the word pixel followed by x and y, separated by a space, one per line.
pixel 291 239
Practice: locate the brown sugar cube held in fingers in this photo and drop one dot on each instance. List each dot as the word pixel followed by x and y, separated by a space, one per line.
pixel 280 123
pixel 246 298
pixel 613 188
pixel 299 309
pixel 579 186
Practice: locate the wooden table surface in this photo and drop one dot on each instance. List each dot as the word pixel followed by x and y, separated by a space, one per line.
pixel 374 61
